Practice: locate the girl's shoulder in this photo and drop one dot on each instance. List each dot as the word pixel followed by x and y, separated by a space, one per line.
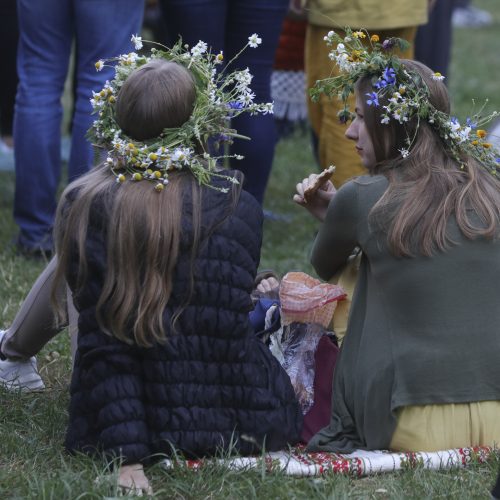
pixel 369 186
pixel 362 192
pixel 374 182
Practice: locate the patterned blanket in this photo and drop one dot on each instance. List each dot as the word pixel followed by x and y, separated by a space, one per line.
pixel 297 462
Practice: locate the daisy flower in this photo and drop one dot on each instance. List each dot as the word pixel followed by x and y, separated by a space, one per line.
pixel 137 41
pixel 437 76
pixel 254 41
pixel 198 49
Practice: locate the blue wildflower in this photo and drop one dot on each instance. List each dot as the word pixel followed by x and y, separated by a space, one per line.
pixel 380 84
pixel 470 123
pixel 372 99
pixel 235 105
pixel 388 44
pixel 389 75
pixel 497 160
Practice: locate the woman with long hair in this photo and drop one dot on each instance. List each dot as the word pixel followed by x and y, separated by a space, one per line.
pixel 160 247
pixel 418 369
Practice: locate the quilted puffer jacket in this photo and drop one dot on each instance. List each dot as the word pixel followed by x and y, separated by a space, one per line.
pixel 213 385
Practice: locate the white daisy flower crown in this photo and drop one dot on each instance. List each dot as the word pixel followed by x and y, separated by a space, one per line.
pixel 219 97
pixel 359 55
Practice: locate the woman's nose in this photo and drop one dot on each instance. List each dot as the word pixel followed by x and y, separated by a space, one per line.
pixel 351 133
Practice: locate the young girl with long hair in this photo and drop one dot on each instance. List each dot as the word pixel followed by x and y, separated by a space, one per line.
pixel 160 249
pixel 418 368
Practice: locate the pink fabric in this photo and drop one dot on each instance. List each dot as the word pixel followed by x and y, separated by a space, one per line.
pixel 307 300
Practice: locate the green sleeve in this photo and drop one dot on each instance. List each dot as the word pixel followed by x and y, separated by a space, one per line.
pixel 337 236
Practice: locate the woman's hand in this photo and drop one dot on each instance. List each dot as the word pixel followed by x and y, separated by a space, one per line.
pixel 133 480
pixel 317 203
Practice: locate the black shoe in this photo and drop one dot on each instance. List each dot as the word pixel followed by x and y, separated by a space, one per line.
pixel 37 252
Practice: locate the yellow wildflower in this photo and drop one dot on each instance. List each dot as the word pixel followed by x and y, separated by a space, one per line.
pixel 153 156
pixel 355 56
pixel 159 187
pixel 486 145
pixel 375 38
pixel 481 133
pixel 358 34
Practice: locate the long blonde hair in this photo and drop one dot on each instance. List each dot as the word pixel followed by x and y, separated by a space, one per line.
pixel 141 227
pixel 429 186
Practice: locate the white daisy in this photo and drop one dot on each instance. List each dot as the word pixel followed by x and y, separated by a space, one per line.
pixel 268 107
pixel 254 41
pixel 199 48
pixel 437 76
pixel 137 41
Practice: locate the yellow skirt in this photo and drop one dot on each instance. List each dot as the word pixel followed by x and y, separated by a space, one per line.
pixel 441 427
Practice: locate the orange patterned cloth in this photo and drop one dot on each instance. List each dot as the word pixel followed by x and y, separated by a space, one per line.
pixel 305 299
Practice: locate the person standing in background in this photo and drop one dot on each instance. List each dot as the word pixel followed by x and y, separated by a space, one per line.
pixel 225 26
pixel 395 18
pixel 433 40
pixel 47 30
pixel 8 41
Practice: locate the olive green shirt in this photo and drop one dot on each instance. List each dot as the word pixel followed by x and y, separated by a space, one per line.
pixel 370 14
pixel 422 330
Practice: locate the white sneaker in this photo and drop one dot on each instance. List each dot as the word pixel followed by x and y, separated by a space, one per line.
pixel 470 17
pixel 20 374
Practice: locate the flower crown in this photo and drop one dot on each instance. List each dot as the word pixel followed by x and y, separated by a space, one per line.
pixel 360 55
pixel 219 97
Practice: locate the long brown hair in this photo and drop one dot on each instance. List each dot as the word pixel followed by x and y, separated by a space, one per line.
pixel 141 227
pixel 429 186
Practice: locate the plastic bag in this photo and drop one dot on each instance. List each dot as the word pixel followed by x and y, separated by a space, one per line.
pixel 295 346
pixel 307 307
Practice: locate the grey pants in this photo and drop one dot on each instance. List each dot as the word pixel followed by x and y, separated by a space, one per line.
pixel 34 323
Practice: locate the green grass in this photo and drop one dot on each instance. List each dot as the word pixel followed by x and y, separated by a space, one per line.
pixel 32 427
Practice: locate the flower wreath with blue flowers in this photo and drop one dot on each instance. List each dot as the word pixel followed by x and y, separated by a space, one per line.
pixel 220 96
pixel 359 55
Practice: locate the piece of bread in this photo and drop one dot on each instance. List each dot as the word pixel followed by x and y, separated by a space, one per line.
pixel 320 180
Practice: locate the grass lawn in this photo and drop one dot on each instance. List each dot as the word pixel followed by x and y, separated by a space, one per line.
pixel 32 427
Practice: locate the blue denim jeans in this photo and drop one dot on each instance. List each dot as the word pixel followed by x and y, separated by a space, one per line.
pixel 226 25
pixel 100 29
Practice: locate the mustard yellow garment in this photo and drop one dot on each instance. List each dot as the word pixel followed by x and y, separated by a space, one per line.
pixel 369 14
pixel 333 147
pixel 441 427
pixel 347 280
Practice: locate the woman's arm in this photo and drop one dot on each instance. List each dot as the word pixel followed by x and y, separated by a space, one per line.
pixel 337 236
